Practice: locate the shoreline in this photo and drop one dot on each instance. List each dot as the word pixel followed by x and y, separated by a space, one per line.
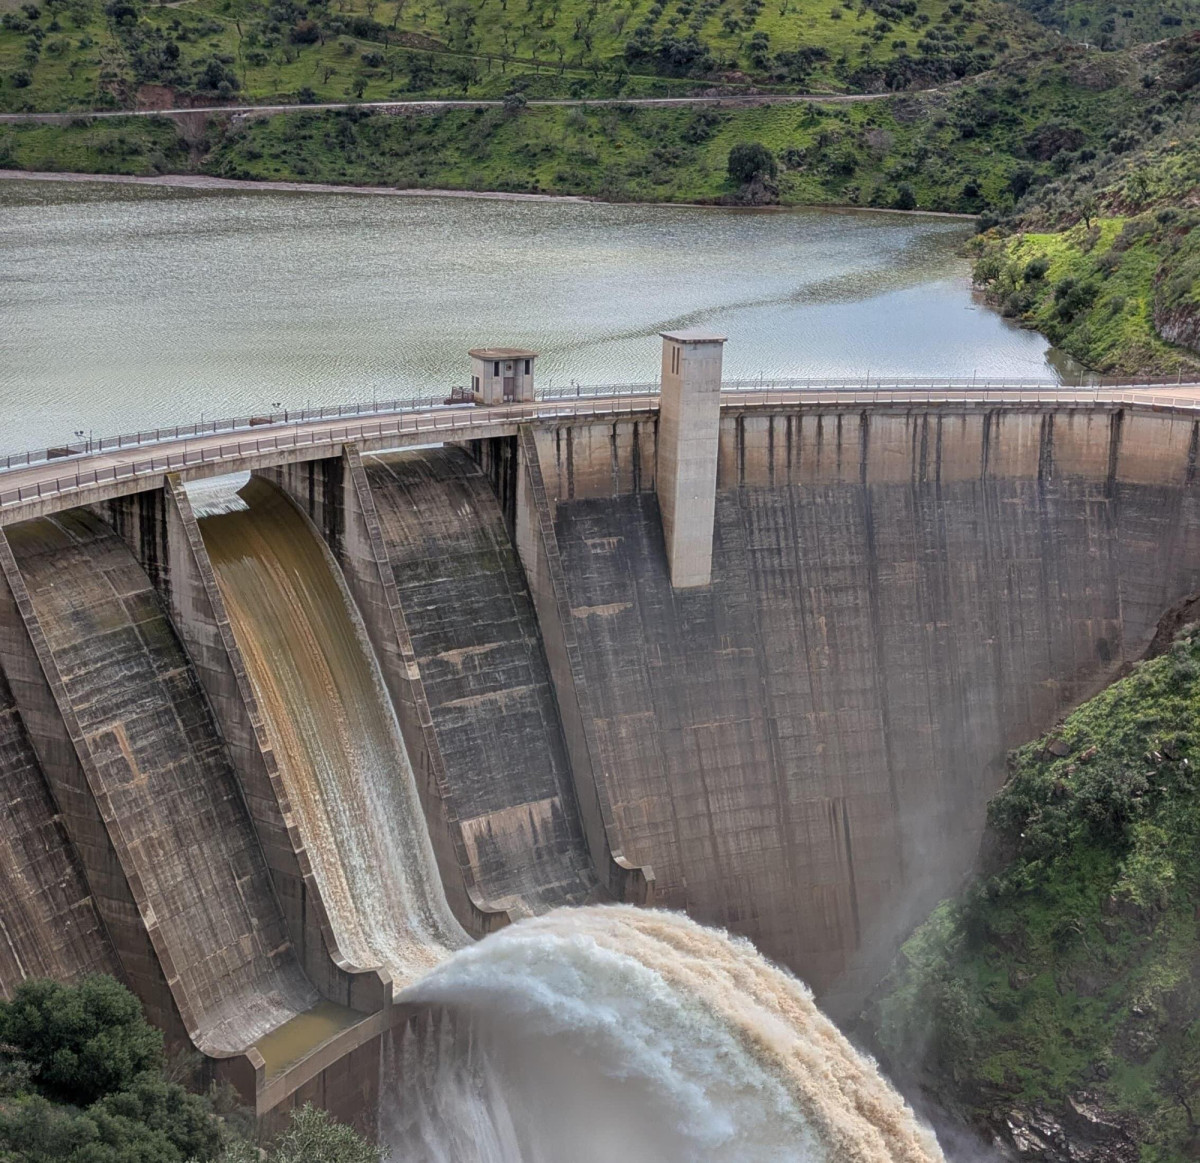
pixel 256 185
pixel 205 182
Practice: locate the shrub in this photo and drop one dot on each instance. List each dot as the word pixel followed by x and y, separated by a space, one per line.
pixel 751 160
pixel 305 32
pixel 1072 296
pixel 313 1137
pixel 989 267
pixel 906 197
pixel 1020 181
pixel 1036 268
pixel 702 125
pixel 215 76
pixel 83 1042
pixel 121 12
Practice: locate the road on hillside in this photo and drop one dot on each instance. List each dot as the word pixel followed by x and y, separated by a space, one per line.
pixel 422 106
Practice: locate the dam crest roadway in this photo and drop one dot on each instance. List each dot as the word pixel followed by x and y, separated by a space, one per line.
pixel 36 483
pixel 751 651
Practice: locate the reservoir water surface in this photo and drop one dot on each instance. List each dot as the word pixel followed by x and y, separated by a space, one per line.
pixel 126 307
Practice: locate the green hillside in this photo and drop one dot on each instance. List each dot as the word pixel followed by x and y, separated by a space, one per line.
pixel 1101 253
pixel 977 147
pixel 1064 988
pixel 78 54
pixel 1113 24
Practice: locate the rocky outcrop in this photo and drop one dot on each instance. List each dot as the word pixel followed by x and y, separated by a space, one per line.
pixel 1082 1132
pixel 1179 324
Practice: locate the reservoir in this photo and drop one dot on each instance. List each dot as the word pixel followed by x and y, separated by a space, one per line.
pixel 125 307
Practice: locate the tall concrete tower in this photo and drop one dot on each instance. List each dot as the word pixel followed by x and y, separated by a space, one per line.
pixel 689 421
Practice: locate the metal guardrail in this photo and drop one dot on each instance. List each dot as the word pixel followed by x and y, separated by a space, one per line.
pixel 958 395
pixel 581 391
pixel 438 418
pixel 90 446
pixel 870 383
pixel 249 422
pixel 407 423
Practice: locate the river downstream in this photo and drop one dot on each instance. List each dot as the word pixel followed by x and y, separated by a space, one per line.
pixel 129 306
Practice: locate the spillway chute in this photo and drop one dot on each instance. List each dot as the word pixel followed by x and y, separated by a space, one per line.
pixel 334 733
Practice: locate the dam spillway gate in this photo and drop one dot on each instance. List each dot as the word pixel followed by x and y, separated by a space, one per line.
pixel 799 749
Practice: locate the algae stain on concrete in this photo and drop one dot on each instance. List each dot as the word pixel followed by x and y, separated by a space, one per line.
pixel 295 1039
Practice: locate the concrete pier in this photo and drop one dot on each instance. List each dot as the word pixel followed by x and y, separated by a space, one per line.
pixel 689 421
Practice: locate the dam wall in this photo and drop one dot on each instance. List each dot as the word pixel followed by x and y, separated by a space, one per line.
pixel 800 751
pixel 48 920
pixel 162 782
pixel 803 750
pixel 476 642
pixel 336 497
pixel 580 460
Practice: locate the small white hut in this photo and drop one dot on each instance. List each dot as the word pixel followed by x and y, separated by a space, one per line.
pixel 501 375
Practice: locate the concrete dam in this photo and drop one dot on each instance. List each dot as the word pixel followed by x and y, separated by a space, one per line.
pixel 276 753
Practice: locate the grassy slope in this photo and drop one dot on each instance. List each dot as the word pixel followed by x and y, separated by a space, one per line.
pixel 1074 969
pixel 1098 295
pixel 83 53
pixel 1117 25
pixel 1115 216
pixel 958 151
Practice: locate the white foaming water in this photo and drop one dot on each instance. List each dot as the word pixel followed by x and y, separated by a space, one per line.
pixel 612 1033
pixel 216 495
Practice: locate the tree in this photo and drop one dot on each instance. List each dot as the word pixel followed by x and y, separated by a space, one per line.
pixel 155 1121
pixel 83 1041
pixel 906 197
pixel 305 32
pixel 1021 180
pixel 750 161
pixel 311 1137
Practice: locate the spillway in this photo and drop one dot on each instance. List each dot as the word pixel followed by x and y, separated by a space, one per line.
pixel 477 643
pixel 334 732
pixel 609 1032
pixel 154 758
